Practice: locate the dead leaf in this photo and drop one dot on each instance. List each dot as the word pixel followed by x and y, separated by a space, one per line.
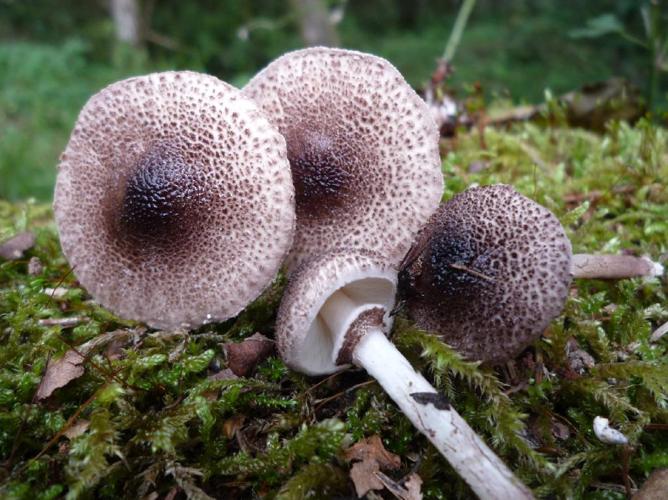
pixel 372 449
pixel 655 487
pixel 171 495
pixel 59 373
pixel 232 425
pixel 413 486
pixel 560 430
pixel 63 370
pixel 244 356
pixel 13 248
pixel 370 456
pixel 579 360
pixel 225 374
pixel 77 429
pixel 185 479
pixel 363 475
pixel 114 350
pixel 410 490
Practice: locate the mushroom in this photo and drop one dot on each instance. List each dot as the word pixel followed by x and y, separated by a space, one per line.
pixel 488 272
pixel 362 145
pixel 174 199
pixel 335 312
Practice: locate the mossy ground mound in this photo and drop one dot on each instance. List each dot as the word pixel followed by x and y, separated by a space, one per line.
pixel 152 414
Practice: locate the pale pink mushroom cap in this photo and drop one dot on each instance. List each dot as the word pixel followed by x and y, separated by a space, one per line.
pixel 362 145
pixel 174 199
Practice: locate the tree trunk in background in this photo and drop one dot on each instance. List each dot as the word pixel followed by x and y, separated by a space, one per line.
pixel 315 24
pixel 127 22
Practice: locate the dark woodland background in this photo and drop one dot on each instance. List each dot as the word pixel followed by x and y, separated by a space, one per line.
pixel 55 54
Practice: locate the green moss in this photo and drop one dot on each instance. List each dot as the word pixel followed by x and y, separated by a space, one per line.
pixel 158 419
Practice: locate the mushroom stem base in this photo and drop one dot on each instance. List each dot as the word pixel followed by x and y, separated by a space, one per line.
pixel 432 415
pixel 612 267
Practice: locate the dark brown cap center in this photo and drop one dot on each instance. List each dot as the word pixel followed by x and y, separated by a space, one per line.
pixel 450 270
pixel 321 170
pixel 161 199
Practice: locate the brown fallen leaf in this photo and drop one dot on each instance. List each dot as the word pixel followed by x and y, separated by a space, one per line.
pixel 115 349
pixel 171 495
pixel 369 456
pixel 411 489
pixel 232 425
pixel 413 486
pixel 363 475
pixel 13 248
pixel 655 487
pixel 579 360
pixel 560 430
pixel 372 448
pixel 59 373
pixel 68 367
pixel 225 374
pixel 244 356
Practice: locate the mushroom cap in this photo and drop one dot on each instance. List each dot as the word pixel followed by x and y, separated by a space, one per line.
pixel 304 340
pixel 489 272
pixel 362 145
pixel 174 199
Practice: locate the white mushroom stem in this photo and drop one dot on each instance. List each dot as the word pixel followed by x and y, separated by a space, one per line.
pixel 426 408
pixel 483 471
pixel 613 266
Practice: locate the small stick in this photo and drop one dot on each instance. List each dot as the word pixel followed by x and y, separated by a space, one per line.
pixel 461 267
pixel 63 322
pixel 659 332
pixel 612 267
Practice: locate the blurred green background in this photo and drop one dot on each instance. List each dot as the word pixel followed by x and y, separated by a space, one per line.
pixel 54 54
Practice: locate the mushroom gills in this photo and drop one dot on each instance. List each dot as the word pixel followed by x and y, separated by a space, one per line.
pixel 336 311
pixel 356 328
pixel 344 317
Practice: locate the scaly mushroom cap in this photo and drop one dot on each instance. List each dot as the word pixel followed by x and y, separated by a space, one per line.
pixel 329 301
pixel 362 145
pixel 489 272
pixel 174 199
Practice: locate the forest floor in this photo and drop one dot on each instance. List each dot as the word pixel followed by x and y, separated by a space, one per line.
pixel 147 414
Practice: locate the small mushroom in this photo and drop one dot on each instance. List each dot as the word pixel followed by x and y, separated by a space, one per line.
pixel 336 311
pixel 174 200
pixel 489 272
pixel 362 145
pixel 607 434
